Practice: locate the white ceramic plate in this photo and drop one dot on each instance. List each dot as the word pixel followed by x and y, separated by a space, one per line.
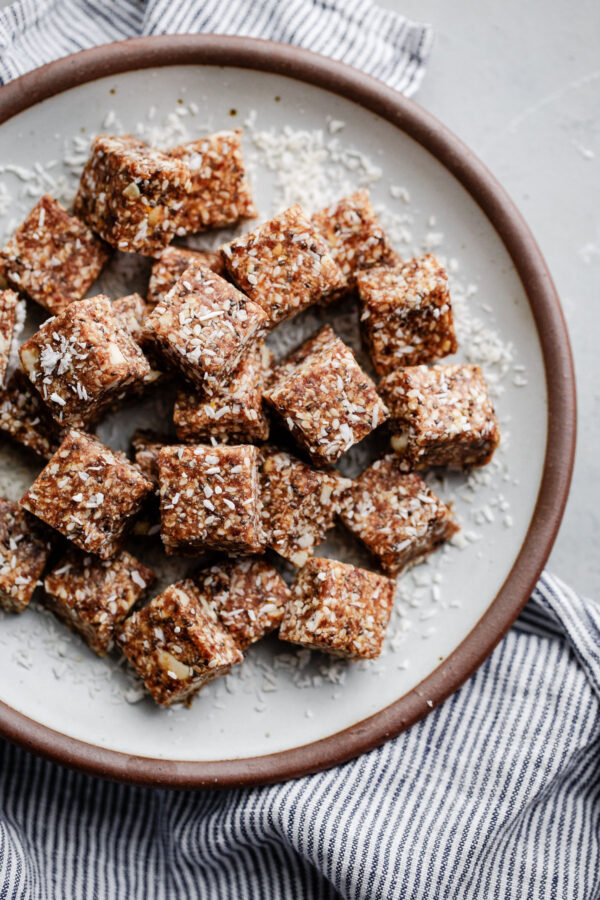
pixel 283 711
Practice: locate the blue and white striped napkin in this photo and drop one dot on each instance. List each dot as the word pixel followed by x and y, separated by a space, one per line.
pixel 495 795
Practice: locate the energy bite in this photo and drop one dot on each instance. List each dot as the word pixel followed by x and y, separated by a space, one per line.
pixel 398 518
pixel 440 416
pixel 25 418
pixel 355 237
pixel 132 311
pixel 177 644
pixel 220 193
pixel 145 446
pixel 9 301
pixel 324 397
pixel 299 504
pixel 53 257
pixel 210 499
pixel 284 265
pixel 231 414
pixel 132 195
pixel 339 609
pixel 24 550
pixel 249 596
pixel 82 360
pixel 406 314
pixel 89 493
pixel 93 596
pixel 170 266
pixel 204 326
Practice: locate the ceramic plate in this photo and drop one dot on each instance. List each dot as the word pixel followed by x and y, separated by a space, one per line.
pixel 313 130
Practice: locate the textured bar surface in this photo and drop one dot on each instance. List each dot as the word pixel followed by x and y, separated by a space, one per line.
pixel 210 499
pixel 440 416
pixel 324 397
pixel 339 609
pixel 93 596
pixel 285 265
pixel 396 515
pixel 53 257
pixel 177 644
pixel 24 549
pixel 88 493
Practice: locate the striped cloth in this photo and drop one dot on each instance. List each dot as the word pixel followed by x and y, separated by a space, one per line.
pixel 358 32
pixel 494 795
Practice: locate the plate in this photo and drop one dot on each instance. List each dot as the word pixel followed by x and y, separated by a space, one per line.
pixel 313 129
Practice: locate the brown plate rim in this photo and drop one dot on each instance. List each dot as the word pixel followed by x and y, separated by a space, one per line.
pixel 311 68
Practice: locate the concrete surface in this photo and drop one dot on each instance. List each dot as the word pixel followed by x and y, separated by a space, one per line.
pixel 520 84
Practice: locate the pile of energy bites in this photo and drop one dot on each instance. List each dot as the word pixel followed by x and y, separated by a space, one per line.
pixel 221 486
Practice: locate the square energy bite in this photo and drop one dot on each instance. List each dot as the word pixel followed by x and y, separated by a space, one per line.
pixel 170 266
pixel 177 644
pixel 52 257
pixel 406 314
pixel 231 414
pixel 24 550
pixel 220 192
pixel 82 360
pixel 355 237
pixel 339 609
pixel 25 418
pixel 324 397
pixel 204 326
pixel 284 265
pixel 93 596
pixel 249 596
pixel 440 416
pixel 9 301
pixel 88 493
pixel 132 195
pixel 398 518
pixel 210 499
pixel 299 504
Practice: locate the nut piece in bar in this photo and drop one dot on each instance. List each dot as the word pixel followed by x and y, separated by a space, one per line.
pixel 406 316
pixel 440 416
pixel 132 195
pixel 210 499
pixel 24 550
pixel 89 493
pixel 324 397
pixel 52 257
pixel 132 310
pixel 204 326
pixel 396 515
pixel 355 237
pixel 25 418
pixel 82 360
pixel 93 596
pixel 284 265
pixel 170 266
pixel 177 644
pixel 339 609
pixel 231 413
pixel 9 301
pixel 249 596
pixel 299 504
pixel 221 193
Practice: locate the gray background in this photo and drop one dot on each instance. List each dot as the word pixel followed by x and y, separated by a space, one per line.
pixel 520 84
